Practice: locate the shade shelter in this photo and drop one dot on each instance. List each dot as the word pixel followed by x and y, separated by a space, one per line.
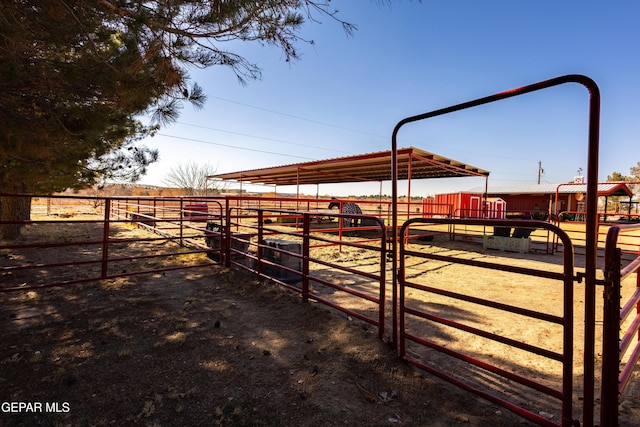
pixel 413 163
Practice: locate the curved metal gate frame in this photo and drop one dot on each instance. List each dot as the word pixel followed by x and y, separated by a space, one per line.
pixel 591 205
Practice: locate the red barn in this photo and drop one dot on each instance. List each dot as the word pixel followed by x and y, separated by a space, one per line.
pixel 539 200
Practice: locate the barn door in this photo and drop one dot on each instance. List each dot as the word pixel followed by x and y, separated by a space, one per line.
pixel 476 207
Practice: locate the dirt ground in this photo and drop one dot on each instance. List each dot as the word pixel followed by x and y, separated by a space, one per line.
pixel 210 346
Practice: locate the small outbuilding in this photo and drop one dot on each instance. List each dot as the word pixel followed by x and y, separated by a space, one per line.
pixel 464 205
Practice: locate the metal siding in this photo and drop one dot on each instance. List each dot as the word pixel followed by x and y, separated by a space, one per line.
pixel 451 199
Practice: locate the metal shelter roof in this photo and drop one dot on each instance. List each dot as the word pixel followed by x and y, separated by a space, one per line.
pixel 413 163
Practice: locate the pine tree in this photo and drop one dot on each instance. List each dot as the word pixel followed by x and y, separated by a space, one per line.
pixel 77 76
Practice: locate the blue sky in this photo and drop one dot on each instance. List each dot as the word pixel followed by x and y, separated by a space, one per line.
pixel 346 94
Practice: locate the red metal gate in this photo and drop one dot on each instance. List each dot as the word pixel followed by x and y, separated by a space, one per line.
pixel 279 245
pixel 443 316
pixel 620 354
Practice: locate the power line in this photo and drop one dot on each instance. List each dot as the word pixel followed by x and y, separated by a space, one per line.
pixel 264 138
pixel 348 129
pixel 464 151
pixel 298 117
pixel 233 146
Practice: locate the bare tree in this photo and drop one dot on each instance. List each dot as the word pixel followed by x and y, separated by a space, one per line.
pixel 192 178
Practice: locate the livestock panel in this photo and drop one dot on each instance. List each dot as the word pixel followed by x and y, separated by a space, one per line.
pixel 319 264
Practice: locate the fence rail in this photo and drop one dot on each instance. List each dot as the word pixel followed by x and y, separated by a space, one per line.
pixel 277 242
pixel 97 226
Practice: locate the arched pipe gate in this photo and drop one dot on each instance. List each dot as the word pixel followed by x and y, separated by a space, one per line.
pixel 591 244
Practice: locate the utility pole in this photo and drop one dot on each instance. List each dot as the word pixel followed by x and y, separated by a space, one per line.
pixel 540 170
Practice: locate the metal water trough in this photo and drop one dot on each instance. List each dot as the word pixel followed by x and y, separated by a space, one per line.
pixel 282 252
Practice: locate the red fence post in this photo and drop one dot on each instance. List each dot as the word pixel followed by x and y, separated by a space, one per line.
pixel 105 238
pixel 260 251
pixel 226 242
pixel 611 339
pixel 306 231
pixel 181 213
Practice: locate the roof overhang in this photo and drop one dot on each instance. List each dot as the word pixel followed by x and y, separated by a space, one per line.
pixel 603 188
pixel 413 163
pixel 614 189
